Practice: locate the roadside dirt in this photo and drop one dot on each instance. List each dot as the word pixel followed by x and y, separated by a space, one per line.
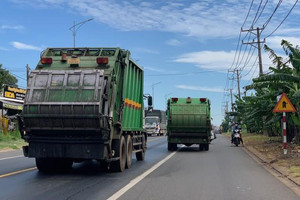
pixel 271 151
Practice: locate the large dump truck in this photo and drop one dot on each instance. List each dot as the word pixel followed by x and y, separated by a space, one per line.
pixel 155 122
pixel 83 104
pixel 189 122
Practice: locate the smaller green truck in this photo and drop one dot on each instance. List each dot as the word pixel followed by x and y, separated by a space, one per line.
pixel 188 122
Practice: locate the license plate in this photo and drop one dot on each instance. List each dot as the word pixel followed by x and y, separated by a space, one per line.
pixel 73 61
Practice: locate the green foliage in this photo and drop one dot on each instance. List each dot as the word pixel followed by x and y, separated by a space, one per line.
pixel 256 111
pixel 11 141
pixel 7 78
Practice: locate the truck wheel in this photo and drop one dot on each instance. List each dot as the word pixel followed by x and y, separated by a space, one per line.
pixel 172 146
pixel 201 147
pixel 206 147
pixel 129 151
pixel 120 151
pixel 140 156
pixel 50 165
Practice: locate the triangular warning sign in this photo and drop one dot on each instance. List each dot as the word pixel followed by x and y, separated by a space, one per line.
pixel 284 105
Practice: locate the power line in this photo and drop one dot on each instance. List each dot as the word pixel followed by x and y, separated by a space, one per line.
pixel 3 69
pixel 261 12
pixel 252 66
pixel 283 19
pixel 256 13
pixel 269 19
pixel 248 13
pixel 248 58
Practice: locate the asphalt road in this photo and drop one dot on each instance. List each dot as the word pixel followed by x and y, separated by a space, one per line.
pixel 224 172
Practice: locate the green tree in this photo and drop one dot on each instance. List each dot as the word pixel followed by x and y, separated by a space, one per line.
pixel 256 110
pixel 7 78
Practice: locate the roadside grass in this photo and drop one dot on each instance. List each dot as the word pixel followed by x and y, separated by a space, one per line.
pixel 11 141
pixel 295 170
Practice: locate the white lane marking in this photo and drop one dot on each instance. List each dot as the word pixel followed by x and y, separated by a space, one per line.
pixel 11 157
pixel 139 178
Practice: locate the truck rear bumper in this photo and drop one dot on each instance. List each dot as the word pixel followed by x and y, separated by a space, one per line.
pixel 62 150
pixel 188 140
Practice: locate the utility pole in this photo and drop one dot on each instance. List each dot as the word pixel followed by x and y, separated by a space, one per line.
pixel 258 42
pixel 226 107
pixel 231 100
pixel 238 80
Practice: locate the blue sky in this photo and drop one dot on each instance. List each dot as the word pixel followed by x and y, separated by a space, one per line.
pixel 185 46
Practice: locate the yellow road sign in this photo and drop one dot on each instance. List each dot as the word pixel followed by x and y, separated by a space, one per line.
pixel 284 105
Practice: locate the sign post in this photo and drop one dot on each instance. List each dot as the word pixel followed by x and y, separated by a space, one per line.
pixel 284 105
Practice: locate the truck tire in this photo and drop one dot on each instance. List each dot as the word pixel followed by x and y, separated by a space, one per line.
pixel 140 156
pixel 172 146
pixel 169 146
pixel 119 147
pixel 201 147
pixel 52 165
pixel 128 151
pixel 206 147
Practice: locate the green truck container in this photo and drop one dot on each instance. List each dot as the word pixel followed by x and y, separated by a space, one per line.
pixel 189 122
pixel 83 104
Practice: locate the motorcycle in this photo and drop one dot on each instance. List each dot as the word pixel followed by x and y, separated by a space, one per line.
pixel 236 137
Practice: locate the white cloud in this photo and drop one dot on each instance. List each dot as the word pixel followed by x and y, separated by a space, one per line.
pixel 214 60
pixel 200 19
pixel 274 42
pixel 200 88
pixel 222 61
pixel 19 45
pixel 173 42
pixel 17 27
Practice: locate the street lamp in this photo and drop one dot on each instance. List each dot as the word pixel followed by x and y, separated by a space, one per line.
pixel 153 91
pixel 74 28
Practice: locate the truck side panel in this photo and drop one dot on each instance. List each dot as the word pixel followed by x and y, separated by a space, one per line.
pixel 133 98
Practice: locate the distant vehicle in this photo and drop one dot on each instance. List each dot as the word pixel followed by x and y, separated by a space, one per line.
pixel 83 104
pixel 155 122
pixel 189 122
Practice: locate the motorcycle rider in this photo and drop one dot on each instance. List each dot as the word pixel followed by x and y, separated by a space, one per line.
pixel 236 127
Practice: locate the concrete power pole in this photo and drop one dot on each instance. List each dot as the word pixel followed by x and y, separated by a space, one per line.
pixel 238 80
pixel 258 42
pixel 231 100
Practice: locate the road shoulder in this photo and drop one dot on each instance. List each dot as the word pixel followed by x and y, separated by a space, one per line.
pixel 276 170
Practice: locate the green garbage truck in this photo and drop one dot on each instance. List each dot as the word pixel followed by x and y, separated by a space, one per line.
pixel 84 104
pixel 189 122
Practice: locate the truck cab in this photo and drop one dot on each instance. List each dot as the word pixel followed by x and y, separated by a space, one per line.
pixel 152 125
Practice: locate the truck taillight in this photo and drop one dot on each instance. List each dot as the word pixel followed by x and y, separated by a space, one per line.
pixel 202 99
pixel 174 99
pixel 102 60
pixel 46 60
